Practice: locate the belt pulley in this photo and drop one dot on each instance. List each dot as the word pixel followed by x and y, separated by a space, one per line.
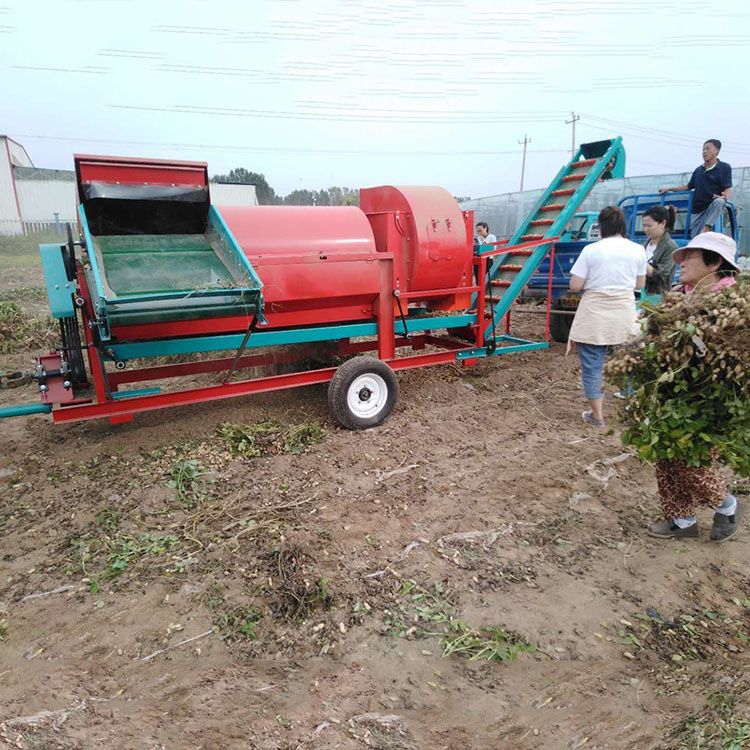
pixel 72 350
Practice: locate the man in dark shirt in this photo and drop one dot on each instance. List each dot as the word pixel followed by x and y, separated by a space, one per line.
pixel 712 182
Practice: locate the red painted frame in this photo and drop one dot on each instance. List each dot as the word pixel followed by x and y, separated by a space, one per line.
pixel 386 343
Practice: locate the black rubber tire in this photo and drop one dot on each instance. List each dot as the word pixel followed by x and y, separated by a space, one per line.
pixel 342 380
pixel 559 327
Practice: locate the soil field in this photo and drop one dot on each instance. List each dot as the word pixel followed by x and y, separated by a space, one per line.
pixel 472 574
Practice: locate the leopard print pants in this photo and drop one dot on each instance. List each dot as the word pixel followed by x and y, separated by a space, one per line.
pixel 682 487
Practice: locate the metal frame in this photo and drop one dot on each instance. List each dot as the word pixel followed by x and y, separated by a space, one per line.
pixel 386 334
pixel 108 329
pixel 598 166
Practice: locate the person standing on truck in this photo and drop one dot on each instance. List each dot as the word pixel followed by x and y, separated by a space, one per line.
pixel 658 222
pixel 608 272
pixel 483 234
pixel 712 182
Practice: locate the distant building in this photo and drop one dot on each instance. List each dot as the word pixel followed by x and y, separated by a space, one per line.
pixel 34 199
pixel 12 155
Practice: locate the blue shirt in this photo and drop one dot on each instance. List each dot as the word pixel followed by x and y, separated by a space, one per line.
pixel 709 182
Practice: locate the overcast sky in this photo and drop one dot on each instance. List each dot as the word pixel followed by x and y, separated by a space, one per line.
pixel 315 93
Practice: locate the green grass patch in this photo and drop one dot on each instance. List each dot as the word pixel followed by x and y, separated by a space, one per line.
pixel 269 437
pixel 19 332
pixel 429 612
pixel 24 294
pixel 19 262
pixel 490 644
pixel 108 519
pixel 184 479
pixel 698 635
pixel 3 629
pixel 235 622
pixel 28 244
pixel 106 555
pixel 719 726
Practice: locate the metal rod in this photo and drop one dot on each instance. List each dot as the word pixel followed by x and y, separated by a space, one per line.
pixel 549 291
pixel 237 356
pixel 537 311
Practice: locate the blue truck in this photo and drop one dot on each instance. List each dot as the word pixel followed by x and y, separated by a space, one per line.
pixel 583 229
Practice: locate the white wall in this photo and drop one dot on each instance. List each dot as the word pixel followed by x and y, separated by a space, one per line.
pixel 18 155
pixel 226 194
pixel 41 199
pixel 10 221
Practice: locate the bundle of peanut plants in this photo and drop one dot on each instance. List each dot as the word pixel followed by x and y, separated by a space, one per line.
pixel 688 376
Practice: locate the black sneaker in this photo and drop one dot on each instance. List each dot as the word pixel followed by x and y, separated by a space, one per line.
pixel 670 530
pixel 725 527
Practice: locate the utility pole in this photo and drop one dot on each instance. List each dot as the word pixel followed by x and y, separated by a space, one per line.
pixel 574 118
pixel 526 140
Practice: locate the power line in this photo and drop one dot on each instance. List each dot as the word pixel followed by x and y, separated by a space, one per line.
pixel 654 131
pixel 415 117
pixel 265 149
pixel 653 138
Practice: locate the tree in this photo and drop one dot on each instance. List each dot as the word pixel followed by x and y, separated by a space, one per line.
pixel 239 175
pixel 334 196
pixel 301 198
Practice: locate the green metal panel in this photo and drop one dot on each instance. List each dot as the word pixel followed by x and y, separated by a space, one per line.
pixel 120 395
pixel 59 289
pixel 217 224
pixel 228 342
pixel 521 345
pixel 150 278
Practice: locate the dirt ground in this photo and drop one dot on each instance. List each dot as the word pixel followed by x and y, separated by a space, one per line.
pixel 472 574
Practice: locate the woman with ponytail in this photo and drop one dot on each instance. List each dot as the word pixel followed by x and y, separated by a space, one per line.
pixel 658 222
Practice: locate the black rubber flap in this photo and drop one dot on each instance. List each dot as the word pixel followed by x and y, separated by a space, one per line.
pixel 595 149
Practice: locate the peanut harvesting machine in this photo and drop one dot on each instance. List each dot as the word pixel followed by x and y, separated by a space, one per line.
pixel 157 272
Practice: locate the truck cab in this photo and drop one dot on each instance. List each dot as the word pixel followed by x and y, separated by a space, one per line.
pixel 634 206
pixel 583 229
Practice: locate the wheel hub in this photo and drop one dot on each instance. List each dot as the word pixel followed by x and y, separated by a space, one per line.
pixel 367 395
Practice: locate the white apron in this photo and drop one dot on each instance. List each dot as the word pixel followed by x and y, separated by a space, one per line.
pixel 606 317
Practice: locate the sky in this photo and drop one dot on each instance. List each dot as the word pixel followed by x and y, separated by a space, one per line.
pixel 315 93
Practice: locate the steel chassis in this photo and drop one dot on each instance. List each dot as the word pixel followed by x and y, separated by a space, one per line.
pixel 385 334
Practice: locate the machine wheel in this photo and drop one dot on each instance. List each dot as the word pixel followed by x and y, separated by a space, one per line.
pixel 559 326
pixel 362 393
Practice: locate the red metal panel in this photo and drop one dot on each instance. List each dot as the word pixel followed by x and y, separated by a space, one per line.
pixel 118 411
pixel 130 171
pixel 192 396
pixel 327 285
pixel 56 392
pixel 437 244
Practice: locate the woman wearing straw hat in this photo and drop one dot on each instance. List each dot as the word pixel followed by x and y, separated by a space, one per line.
pixel 707 264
